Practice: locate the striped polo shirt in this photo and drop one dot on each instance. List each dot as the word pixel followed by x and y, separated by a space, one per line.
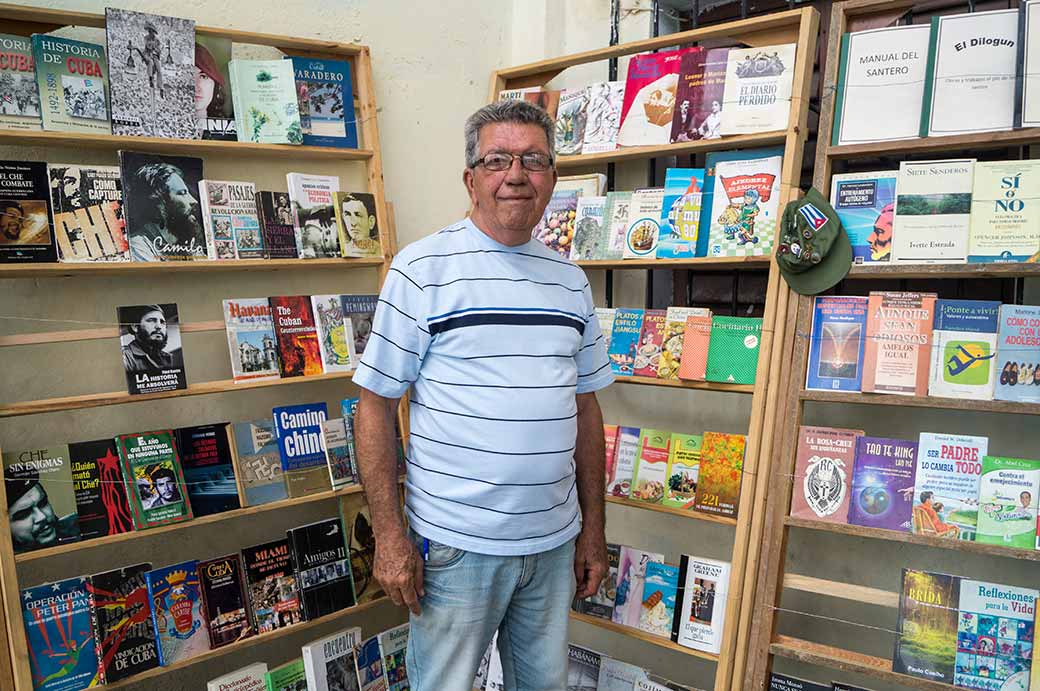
pixel 495 342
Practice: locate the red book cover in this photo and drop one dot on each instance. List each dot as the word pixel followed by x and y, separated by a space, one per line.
pixel 694 360
pixel 698 98
pixel 648 352
pixel 646 112
pixel 299 354
pixel 722 467
pixel 898 347
pixel 610 434
pixel 823 473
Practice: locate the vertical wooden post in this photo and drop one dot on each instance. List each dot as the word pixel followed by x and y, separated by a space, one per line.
pixel 370 133
pixel 16 666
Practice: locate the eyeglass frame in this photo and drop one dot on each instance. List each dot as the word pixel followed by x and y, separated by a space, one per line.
pixel 481 161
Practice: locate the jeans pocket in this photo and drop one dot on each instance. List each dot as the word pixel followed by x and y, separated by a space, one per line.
pixel 438 555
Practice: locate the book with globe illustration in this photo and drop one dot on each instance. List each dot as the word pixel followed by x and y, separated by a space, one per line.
pixel 658 608
pixel 680 213
pixel 684 464
pixel 650 475
pixel 836 343
pixel 964 349
pixel 883 483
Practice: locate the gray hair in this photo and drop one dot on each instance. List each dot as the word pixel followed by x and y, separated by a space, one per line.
pixel 520 112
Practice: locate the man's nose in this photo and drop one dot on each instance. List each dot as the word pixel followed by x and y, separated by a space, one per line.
pixel 516 174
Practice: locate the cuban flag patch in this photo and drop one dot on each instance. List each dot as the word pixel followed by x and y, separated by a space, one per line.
pixel 813 216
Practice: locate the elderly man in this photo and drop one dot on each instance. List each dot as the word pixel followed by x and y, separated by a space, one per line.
pixel 146 353
pixel 171 223
pixel 497 338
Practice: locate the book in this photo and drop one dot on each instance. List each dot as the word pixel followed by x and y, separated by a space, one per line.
pixel 601 604
pixel 97 482
pixel 571 115
pixel 658 608
pixel 588 228
pixel 121 613
pixel 619 484
pixel 700 614
pixel 360 311
pixel 648 350
pixel 152 74
pixel 546 99
pixel 271 586
pixel 882 483
pixel 1008 491
pixel 932 212
pixel 180 624
pixel 370 673
pixel 1018 354
pixel 314 214
pixel 62 655
pixel 711 162
pixel 650 474
pixel 265 105
pixel 225 608
pixel 154 479
pixel 582 668
pixel 684 464
pixel 301 446
pixel 335 339
pixel 1004 224
pixel 555 230
pixel 946 485
pixel 603 117
pixel 299 349
pixel 605 321
pixel 249 678
pixel 646 112
pixel 745 207
pixel 695 344
pixel 72 82
pixel 631 575
pixel 928 617
pixel 898 343
pixel 964 349
pixel 720 473
pixel 87 207
pixel 700 95
pixel 322 567
pixel 644 223
pixel 361 546
pixel 784 682
pixel 865 204
pixel 231 220
pixel 733 349
pixel 325 94
pixel 393 644
pixel 209 470
pixel 160 205
pixel 357 224
pixel 673 337
pixel 25 230
pixel 615 675
pixel 1026 84
pixel 214 102
pixel 330 661
pixel 758 89
pixel 836 343
pixel 19 97
pixel 822 483
pixel 680 213
pixel 624 340
pixel 338 446
pixel 150 341
pixel 970 83
pixel 348 408
pixel 615 224
pixel 277 225
pixel 251 339
pixel 880 88
pixel 258 462
pixel 288 677
pixel 41 502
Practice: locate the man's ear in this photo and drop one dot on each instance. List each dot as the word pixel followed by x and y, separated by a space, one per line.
pixel 469 182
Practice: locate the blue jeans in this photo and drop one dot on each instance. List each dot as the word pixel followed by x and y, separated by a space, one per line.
pixel 469 596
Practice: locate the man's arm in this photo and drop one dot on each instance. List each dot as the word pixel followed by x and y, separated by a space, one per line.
pixel 397 565
pixel 590 554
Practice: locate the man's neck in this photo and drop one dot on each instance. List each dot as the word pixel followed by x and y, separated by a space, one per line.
pixel 499 235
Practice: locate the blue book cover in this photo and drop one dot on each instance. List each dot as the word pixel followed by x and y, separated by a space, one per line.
pixel 680 213
pixel 624 339
pixel 658 610
pixel 836 343
pixel 1018 354
pixel 707 198
pixel 325 92
pixel 180 627
pixel 370 665
pixel 301 446
pixel 865 204
pixel 883 483
pixel 62 655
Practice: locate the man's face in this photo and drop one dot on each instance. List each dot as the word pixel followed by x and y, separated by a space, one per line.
pixel 32 519
pixel 359 223
pixel 151 331
pixel 70 185
pixel 11 222
pixel 182 209
pixel 165 487
pixel 684 108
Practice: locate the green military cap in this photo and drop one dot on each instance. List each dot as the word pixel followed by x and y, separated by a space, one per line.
pixel 814 253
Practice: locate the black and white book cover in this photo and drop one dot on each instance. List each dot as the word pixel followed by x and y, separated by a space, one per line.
pixel 151 61
pixel 25 223
pixel 87 203
pixel 277 221
pixel 322 567
pixel 161 204
pixel 122 622
pixel 150 337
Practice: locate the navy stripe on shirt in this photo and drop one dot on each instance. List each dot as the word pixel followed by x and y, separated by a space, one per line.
pixel 497 453
pixel 489 482
pixel 512 319
pixel 496 537
pixel 507 513
pixel 493 419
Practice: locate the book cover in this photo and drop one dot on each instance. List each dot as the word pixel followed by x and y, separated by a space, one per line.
pixel 1008 491
pixel 784 682
pixel 259 463
pixel 603 117
pixel 330 662
pixel 41 501
pixel 161 207
pixel 651 336
pixel 1018 354
pixel 62 654
pixel 588 228
pixel 277 223
pixel 152 75
pixel 25 228
pixel 758 89
pixel 251 340
pixel 649 103
pixel 615 675
pixel 338 446
pixel 87 205
pixel 964 349
pixel 97 482
pixel 571 116
pixel 271 586
pixel 322 567
pixel 883 483
pixel 265 104
pixel 249 678
pixel 154 479
pixel 650 475
pixel 121 612
pixel 180 625
pixel 836 343
pixel 288 677
pixel 619 484
pixel 348 409
pixel 711 162
pixel 72 81
pixel 335 341
pixel 360 311
pixel 361 546
pixel 605 319
pixel 209 470
pixel 555 230
pixel 301 446
pixel 672 339
pixel 631 575
pixel 314 214
pixel 231 220
pixel 866 204
pixel 393 644
pixel 582 668
pixel 988 613
pixel 946 484
pixel 325 94
pixel 658 608
pixel 624 340
pixel 684 465
pixel 898 343
pixel 357 224
pixel 225 608
pixel 644 223
pixel 701 603
pixel 720 472
pixel 19 97
pixel 615 224
pixel 699 96
pixel 695 344
pixel 733 349
pixel 1004 224
pixel 601 604
pixel 299 349
pixel 150 341
pixel 822 483
pixel 214 103
pixel 932 212
pixel 680 213
pixel 926 646
pixel 370 673
pixel 745 207
pixel 1026 84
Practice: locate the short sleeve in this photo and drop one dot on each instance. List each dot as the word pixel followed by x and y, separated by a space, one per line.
pixel 400 336
pixel 594 372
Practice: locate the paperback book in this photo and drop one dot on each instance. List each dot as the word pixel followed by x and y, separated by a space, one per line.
pixel 659 601
pixel 946 485
pixel 392 644
pixel 646 112
pixel 555 230
pixel 615 224
pixel 619 484
pixel 605 321
pixel 745 207
pixel 898 345
pixel 41 502
pixel 292 676
pixel 61 649
pixel 325 95
pixel 865 204
pixel 370 673
pixel 603 117
pixel 338 446
pixel 259 462
pixel 72 81
pixel 1008 491
pixel 571 115
pixel 87 205
pixel 700 95
pixel 277 224
pixel 25 234
pixel 836 343
pixel 299 350
pixel 651 337
pixel 271 586
pixel 1005 224
pixel 1018 354
pixel 695 345
pixel 644 223
pixel 720 474
pixel 249 678
pixel 674 336
pixel 701 603
pixel 882 483
pixel 177 616
pixel 933 208
pixel 624 340
pixel 97 481
pixel 711 162
pixel 232 224
pixel 588 229
pixel 357 224
pixel 251 339
pixel 582 668
pixel 631 576
pixel 964 349
pixel 209 469
pixel 154 479
pixel 360 312
pixel 214 102
pixel 19 97
pixel 601 604
pixel 150 340
pixel 323 567
pixel 121 612
pixel 615 675
pixel 822 483
pixel 266 109
pixel 684 464
pixel 225 609
pixel 650 475
pixel 314 214
pixel 301 445
pixel 733 349
pixel 330 662
pixel 758 89
pixel 784 682
pixel 680 213
pixel 335 338
pixel 161 207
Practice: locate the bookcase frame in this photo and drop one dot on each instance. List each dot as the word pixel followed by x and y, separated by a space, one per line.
pixel 793 26
pixel 20 20
pixel 765 643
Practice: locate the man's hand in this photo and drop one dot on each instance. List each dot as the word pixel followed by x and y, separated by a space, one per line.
pixel 590 560
pixel 399 569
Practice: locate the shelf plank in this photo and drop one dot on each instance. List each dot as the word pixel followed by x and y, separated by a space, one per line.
pixel 1004 407
pixel 684 384
pixel 642 635
pixel 842 591
pixel 98 400
pixel 685 513
pixel 849 661
pixel 1010 270
pixel 697 263
pixel 47 270
pixel 932 145
pixel 635 153
pixel 926 540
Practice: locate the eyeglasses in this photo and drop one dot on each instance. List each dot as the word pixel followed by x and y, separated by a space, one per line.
pixel 533 162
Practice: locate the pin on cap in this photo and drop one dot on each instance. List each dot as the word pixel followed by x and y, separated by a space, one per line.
pixel 814 253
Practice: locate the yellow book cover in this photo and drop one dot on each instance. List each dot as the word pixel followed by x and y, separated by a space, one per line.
pixel 1005 216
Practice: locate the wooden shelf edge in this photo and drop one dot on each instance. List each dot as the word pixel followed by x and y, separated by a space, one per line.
pixel 1005 407
pixel 684 384
pixel 894 271
pixel 634 153
pixel 50 269
pixel 923 145
pixel 698 263
pixel 642 636
pixel 684 513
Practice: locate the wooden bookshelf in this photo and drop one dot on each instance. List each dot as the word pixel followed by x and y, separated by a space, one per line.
pixel 641 635
pixel 660 508
pixel 637 153
pixel 51 270
pixel 900 271
pixel 937 145
pixel 852 398
pixel 684 384
pixel 698 263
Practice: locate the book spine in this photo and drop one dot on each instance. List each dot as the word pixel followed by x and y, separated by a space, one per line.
pixel 929 80
pixel 839 89
pixel 95 629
